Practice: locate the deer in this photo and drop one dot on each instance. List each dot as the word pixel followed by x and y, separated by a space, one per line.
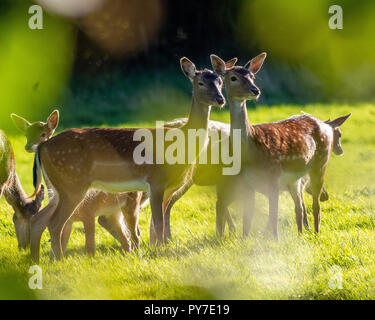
pixel 275 154
pixel 76 160
pixel 202 178
pixel 23 206
pixel 110 208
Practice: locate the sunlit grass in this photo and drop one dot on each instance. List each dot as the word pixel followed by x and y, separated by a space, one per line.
pixel 197 265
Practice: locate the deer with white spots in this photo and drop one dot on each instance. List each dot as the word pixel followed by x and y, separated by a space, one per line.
pixel 76 160
pixel 112 209
pixel 275 154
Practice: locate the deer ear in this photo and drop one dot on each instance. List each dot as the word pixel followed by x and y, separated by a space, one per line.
pixel 21 123
pixel 229 64
pixel 218 65
pixel 339 121
pixel 256 63
pixel 53 120
pixel 188 68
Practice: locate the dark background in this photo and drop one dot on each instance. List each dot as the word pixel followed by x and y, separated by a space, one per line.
pixel 119 61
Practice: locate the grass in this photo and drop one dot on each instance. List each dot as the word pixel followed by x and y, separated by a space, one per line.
pixel 197 265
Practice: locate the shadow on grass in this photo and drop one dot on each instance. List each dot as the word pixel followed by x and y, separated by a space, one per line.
pixel 176 248
pixel 14 286
pixel 173 248
pixel 14 279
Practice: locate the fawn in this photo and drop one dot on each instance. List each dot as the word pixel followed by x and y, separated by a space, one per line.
pixel 277 153
pixel 76 160
pixel 14 194
pixel 111 208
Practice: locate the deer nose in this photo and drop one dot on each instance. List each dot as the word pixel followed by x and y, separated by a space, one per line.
pixel 220 100
pixel 255 91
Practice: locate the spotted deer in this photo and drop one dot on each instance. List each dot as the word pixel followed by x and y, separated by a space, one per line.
pixel 10 185
pixel 275 154
pixel 76 160
pixel 204 176
pixel 110 208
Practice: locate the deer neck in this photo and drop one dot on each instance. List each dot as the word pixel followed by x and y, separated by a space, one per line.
pixel 239 120
pixel 199 115
pixel 15 195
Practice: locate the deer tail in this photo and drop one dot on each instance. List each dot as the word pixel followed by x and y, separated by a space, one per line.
pixel 37 174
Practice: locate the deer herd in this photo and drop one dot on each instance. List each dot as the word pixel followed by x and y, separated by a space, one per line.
pixel 91 172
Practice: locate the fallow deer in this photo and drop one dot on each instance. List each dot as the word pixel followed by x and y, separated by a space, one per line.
pixel 76 160
pixel 277 153
pixel 10 185
pixel 110 208
pixel 203 176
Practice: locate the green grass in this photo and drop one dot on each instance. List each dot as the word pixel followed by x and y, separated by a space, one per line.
pixel 196 265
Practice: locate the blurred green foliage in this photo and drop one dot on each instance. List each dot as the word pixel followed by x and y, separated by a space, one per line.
pixel 35 65
pixel 296 33
pixel 64 66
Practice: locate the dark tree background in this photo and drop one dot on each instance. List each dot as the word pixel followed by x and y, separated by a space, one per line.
pixel 188 28
pixel 118 60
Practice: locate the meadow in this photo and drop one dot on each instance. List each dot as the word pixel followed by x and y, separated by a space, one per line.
pixel 198 265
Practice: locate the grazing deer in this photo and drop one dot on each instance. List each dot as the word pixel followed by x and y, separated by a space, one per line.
pixel 14 194
pixel 277 153
pixel 110 208
pixel 76 160
pixel 203 176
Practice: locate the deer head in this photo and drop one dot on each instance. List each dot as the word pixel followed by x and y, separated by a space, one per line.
pixel 239 81
pixel 335 124
pixel 22 215
pixel 207 85
pixel 36 132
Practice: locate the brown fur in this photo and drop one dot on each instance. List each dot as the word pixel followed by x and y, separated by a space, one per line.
pixel 286 149
pixel 75 159
pixel 109 207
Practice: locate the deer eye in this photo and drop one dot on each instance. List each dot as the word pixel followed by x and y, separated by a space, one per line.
pixel 44 135
pixel 233 79
pixel 201 83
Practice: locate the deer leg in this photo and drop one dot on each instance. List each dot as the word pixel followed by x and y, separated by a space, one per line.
pixel 222 203
pixel 317 179
pixel 118 226
pixel 152 233
pixel 167 215
pixel 63 212
pixel 66 235
pixel 304 211
pixel 230 221
pixel 38 224
pixel 103 221
pixel 167 222
pixel 305 219
pixel 156 202
pixel 248 211
pixel 323 197
pixel 294 190
pixel 89 226
pixel 221 211
pixel 273 200
pixel 131 214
